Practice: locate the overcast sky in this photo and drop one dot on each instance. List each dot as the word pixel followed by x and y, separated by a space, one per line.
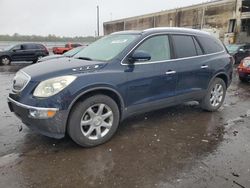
pixel 73 17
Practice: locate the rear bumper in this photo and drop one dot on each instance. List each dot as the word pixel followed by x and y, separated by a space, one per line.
pixel 52 127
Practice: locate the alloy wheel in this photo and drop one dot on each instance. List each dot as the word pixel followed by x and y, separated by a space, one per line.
pixel 216 96
pixel 5 61
pixel 96 121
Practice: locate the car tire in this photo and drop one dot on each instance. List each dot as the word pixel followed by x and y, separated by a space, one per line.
pixel 93 121
pixel 5 60
pixel 36 60
pixel 215 95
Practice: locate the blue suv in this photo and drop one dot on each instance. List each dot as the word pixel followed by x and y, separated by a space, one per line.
pixel 120 75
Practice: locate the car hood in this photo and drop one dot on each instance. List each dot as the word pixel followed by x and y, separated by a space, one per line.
pixel 2 51
pixel 62 66
pixel 46 58
pixel 232 53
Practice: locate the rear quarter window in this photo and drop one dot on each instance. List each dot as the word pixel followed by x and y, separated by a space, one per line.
pixel 75 45
pixel 40 47
pixel 210 44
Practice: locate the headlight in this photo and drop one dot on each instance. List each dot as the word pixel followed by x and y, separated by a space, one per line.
pixel 246 63
pixel 53 86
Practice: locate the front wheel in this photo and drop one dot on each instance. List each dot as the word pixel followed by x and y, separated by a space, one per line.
pixel 5 60
pixel 93 121
pixel 215 95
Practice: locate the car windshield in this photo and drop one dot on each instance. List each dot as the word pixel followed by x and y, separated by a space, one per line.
pixel 232 48
pixel 107 48
pixel 72 52
pixel 9 47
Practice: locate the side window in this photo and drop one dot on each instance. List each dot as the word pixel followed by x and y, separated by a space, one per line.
pixel 26 47
pixel 39 47
pixel 158 48
pixel 210 45
pixel 29 46
pixel 17 47
pixel 75 45
pixel 198 47
pixel 184 46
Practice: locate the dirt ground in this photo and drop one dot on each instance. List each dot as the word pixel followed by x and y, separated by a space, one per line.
pixel 180 146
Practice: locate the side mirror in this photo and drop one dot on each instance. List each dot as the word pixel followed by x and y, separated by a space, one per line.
pixel 139 55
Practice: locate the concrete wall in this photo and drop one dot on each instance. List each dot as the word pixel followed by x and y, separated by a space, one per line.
pixel 208 15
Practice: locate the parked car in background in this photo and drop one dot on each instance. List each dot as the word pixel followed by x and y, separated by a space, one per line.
pixel 239 51
pixel 69 53
pixel 244 70
pixel 120 75
pixel 23 52
pixel 62 50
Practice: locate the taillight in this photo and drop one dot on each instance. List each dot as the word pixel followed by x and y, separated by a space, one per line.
pixel 46 49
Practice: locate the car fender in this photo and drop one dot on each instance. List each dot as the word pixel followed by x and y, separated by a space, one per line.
pixel 220 72
pixel 96 87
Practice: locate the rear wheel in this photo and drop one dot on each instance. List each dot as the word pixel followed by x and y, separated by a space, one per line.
pixel 5 60
pixel 38 57
pixel 215 95
pixel 93 121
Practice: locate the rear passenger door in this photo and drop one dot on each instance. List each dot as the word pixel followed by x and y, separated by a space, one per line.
pixel 193 73
pixel 17 53
pixel 29 52
pixel 151 84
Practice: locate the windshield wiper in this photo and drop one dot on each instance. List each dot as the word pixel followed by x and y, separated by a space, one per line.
pixel 85 58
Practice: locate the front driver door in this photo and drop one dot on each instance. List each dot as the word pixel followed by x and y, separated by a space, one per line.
pixel 151 84
pixel 16 53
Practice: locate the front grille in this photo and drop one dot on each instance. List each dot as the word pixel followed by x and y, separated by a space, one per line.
pixel 20 81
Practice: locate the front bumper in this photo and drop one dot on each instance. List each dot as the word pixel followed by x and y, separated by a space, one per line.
pixel 244 73
pixel 52 127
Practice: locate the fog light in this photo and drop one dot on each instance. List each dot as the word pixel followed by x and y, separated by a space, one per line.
pixel 41 114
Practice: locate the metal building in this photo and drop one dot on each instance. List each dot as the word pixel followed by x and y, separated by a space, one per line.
pixel 228 20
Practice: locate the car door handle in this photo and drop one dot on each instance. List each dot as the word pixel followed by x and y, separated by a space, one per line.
pixel 204 66
pixel 170 72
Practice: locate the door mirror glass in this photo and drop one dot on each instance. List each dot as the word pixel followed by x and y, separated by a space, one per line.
pixel 140 56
